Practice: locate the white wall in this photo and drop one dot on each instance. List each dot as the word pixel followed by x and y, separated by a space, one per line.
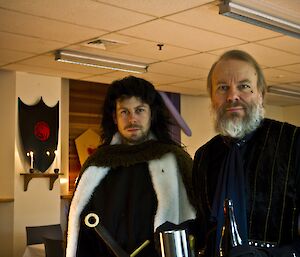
pixel 7 114
pixel 274 112
pixel 38 205
pixel 197 114
pixel 292 115
pixel 64 135
pixel 7 138
pixel 64 125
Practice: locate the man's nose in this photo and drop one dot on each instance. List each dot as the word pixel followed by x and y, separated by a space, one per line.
pixel 233 94
pixel 132 118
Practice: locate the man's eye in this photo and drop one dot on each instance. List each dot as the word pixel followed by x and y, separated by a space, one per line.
pixel 123 112
pixel 139 110
pixel 222 88
pixel 244 87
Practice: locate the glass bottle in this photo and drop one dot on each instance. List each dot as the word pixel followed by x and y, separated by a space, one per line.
pixel 230 236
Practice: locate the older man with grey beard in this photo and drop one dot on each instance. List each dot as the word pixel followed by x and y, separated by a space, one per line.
pixel 254 162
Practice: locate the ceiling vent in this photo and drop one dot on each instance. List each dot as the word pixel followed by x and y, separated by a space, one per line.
pixel 104 44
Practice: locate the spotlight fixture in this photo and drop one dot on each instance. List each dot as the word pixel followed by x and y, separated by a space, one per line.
pixel 99 61
pixel 255 17
pixel 284 91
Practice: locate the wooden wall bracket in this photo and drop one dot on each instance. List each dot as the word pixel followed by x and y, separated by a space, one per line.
pixel 28 176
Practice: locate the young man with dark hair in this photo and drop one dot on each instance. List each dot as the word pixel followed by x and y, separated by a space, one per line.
pixel 137 180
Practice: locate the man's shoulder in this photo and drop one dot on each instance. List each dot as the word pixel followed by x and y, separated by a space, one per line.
pixel 277 122
pixel 277 125
pixel 216 141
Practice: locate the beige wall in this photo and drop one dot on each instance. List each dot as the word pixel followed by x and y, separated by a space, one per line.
pixel 196 113
pixel 292 115
pixel 38 205
pixel 7 134
pixel 64 135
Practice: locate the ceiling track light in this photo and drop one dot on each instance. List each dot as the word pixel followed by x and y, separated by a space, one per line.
pixel 99 61
pixel 255 17
pixel 284 91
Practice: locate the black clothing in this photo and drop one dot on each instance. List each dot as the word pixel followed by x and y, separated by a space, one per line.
pixel 271 161
pixel 126 213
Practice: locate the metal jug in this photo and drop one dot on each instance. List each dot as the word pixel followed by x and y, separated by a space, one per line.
pixel 174 243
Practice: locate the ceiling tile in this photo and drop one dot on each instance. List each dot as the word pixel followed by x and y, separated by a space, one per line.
pixel 146 48
pixel 98 79
pixel 27 44
pixel 160 79
pixel 199 84
pixel 9 56
pixel 265 56
pixel 281 100
pixel 156 79
pixel 203 60
pixel 87 13
pixel 185 36
pixel 290 86
pixel 284 43
pixel 179 70
pixel 45 71
pixel 33 26
pixel 48 61
pixel 207 17
pixel 101 52
pixel 280 76
pixel 293 68
pixel 193 34
pixel 156 7
pixel 179 90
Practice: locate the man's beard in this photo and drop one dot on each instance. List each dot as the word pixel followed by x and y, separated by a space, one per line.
pixel 135 141
pixel 235 126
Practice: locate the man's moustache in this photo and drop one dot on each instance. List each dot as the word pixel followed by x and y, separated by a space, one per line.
pixel 132 127
pixel 236 104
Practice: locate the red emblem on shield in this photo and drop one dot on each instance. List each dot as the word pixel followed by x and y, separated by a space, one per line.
pixel 42 130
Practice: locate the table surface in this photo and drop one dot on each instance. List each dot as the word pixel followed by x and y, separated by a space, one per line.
pixel 37 250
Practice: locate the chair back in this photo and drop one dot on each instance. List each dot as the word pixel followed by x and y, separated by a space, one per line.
pixel 54 247
pixel 36 234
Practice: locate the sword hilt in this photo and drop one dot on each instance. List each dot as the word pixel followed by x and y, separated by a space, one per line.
pixel 92 221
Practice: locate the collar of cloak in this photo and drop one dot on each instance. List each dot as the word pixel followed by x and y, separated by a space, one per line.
pixel 117 155
pixel 126 155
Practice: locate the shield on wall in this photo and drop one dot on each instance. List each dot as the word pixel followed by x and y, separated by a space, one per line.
pixel 38 126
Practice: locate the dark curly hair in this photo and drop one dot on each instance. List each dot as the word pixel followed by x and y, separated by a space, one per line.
pixel 128 87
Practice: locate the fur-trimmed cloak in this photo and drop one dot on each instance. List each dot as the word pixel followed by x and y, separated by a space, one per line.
pixel 169 167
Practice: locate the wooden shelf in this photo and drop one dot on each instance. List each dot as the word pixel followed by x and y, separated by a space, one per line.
pixel 29 176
